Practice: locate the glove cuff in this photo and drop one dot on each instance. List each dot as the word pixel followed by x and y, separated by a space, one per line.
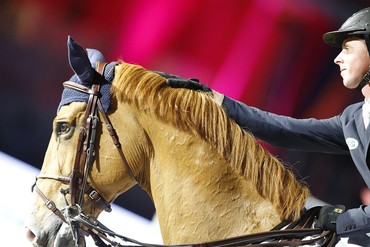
pixel 218 97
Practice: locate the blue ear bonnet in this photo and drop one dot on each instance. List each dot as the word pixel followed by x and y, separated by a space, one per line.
pixel 70 95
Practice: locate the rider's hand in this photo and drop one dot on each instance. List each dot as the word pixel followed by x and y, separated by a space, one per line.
pixel 178 82
pixel 328 217
pixel 187 83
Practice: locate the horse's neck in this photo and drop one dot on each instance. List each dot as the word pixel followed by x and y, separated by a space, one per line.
pixel 135 147
pixel 198 196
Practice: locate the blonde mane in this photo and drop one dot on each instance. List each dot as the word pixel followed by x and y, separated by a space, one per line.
pixel 198 114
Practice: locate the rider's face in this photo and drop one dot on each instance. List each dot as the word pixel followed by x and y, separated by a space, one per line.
pixel 353 60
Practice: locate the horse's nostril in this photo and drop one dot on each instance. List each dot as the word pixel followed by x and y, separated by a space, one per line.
pixel 30 235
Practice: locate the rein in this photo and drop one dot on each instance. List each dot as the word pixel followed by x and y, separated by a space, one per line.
pixel 294 234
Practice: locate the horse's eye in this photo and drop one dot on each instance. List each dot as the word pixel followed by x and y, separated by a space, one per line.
pixel 63 128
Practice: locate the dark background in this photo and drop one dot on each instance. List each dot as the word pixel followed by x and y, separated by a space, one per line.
pixel 268 54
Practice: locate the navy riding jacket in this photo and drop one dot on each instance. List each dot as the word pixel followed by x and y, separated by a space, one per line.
pixel 342 134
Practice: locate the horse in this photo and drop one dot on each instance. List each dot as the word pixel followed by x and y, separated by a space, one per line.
pixel 208 178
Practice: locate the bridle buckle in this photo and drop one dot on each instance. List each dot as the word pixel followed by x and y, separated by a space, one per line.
pixel 51 205
pixel 94 195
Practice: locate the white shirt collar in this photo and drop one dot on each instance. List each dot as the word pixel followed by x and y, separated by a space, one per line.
pixel 366 112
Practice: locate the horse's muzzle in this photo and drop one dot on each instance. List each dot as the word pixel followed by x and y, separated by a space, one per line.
pixel 30 235
pixel 34 239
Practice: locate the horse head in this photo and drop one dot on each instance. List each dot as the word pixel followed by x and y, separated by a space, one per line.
pixel 58 187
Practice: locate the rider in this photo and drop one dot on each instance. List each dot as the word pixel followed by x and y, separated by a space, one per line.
pixel 342 134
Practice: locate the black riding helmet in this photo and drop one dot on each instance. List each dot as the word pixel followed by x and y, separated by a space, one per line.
pixel 357 25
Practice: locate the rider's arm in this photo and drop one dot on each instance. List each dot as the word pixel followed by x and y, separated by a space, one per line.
pixel 354 222
pixel 297 134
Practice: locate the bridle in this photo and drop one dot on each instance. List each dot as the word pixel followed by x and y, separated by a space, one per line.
pixel 84 158
pixel 83 225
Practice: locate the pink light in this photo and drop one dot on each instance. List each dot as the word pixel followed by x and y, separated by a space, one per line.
pixel 152 28
pixel 239 66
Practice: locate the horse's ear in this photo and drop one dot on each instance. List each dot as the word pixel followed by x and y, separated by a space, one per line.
pixel 79 62
pixel 95 56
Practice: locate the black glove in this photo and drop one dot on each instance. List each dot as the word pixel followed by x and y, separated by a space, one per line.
pixel 328 217
pixel 178 82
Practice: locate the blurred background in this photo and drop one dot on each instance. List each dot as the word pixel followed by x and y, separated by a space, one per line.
pixel 268 54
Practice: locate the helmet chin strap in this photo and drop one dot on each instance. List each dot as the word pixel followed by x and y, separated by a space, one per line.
pixel 367 41
pixel 365 80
